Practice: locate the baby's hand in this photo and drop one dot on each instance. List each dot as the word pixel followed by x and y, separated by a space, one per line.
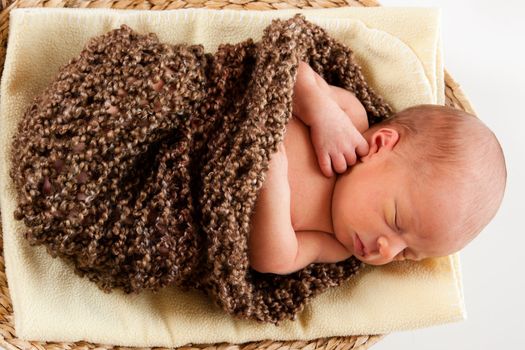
pixel 337 143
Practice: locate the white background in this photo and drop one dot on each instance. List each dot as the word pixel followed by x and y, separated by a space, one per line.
pixel 484 51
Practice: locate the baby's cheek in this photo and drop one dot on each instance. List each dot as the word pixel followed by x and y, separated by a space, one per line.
pixel 341 208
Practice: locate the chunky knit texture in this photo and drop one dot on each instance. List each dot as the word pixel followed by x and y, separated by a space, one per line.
pixel 141 163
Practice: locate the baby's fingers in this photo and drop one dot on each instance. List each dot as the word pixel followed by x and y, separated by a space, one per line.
pixel 324 163
pixel 362 146
pixel 350 157
pixel 339 162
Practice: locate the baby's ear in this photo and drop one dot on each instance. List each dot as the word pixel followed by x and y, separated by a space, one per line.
pixel 380 140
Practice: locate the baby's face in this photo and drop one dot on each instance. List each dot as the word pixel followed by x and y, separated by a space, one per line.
pixel 382 214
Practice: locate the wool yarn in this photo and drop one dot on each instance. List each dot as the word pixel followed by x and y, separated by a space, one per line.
pixel 140 164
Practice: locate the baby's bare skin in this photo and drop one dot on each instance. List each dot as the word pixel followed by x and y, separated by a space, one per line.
pixel 375 210
pixel 370 209
pixel 310 190
pixel 378 208
pixel 294 205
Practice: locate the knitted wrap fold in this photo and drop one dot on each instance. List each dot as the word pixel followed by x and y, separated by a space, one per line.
pixel 141 163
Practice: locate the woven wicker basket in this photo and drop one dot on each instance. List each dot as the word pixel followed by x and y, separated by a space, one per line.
pixel 8 339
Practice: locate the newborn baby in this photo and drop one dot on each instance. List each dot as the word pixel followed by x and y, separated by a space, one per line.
pixel 428 180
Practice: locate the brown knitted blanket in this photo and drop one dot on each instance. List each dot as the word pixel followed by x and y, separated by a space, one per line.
pixel 140 164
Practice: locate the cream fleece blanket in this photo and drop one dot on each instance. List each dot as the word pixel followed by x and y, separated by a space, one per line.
pixel 400 52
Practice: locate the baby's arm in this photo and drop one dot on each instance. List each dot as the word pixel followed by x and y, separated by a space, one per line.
pixel 308 81
pixel 348 103
pixel 273 245
pixel 336 119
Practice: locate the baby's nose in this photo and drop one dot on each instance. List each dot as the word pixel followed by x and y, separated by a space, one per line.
pixel 389 248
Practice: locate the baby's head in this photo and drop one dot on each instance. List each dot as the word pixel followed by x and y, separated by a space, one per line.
pixel 435 173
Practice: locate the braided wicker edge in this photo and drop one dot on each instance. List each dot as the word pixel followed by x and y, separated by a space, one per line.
pixel 8 340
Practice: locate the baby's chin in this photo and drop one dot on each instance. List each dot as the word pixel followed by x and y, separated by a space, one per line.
pixel 373 263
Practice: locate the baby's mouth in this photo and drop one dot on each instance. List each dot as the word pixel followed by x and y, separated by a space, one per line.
pixel 358 245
